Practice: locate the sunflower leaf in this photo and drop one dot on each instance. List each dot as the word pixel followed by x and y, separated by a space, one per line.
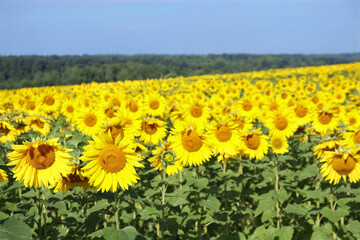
pixel 14 229
pixel 102 204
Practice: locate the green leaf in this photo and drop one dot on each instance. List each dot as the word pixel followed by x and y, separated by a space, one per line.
pixel 353 226
pixel 268 214
pixel 172 226
pixel 212 203
pixel 13 229
pixel 282 196
pixel 178 201
pixel 203 183
pixel 285 233
pixel 264 204
pixel 321 233
pixel 296 209
pixel 309 171
pixel 334 216
pixel 102 204
pixel 127 233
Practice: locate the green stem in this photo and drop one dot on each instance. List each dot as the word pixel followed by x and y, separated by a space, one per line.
pixel 163 192
pixel 39 211
pixel 240 165
pixel 277 204
pixel 117 206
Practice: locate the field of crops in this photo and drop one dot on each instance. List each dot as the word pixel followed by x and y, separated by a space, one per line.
pixel 258 155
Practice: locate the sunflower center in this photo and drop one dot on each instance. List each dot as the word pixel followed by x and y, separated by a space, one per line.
pixel 116 102
pixel 281 122
pixel 273 106
pixel 149 128
pixel 240 122
pixel 110 112
pixel 247 106
pixel 252 141
pixel 191 141
pixel 115 131
pixel 357 138
pixel 70 109
pixel 284 95
pixel 300 111
pixel 112 159
pixel 277 144
pixel 38 123
pixel 352 120
pixel 196 111
pixel 4 129
pixel 325 117
pixel 169 157
pixel 90 119
pixel 133 106
pixel 30 106
pixel 343 166
pixel 154 104
pixel 41 157
pixel 223 133
pixel 49 100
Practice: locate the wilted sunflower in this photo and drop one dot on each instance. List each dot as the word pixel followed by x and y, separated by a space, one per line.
pixel 279 145
pixel 40 163
pixel 254 144
pixel 190 144
pixel 3 175
pixel 7 132
pixel 164 155
pixel 111 163
pixel 341 163
pixel 39 124
pixel 72 180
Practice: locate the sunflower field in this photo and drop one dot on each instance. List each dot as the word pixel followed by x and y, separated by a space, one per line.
pixel 257 155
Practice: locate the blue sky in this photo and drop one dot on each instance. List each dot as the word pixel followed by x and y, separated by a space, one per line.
pixel 63 27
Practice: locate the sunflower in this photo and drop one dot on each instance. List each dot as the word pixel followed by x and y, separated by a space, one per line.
pixel 195 111
pixel 111 163
pixel 325 121
pixel 328 145
pixel 72 180
pixel 189 143
pixel 20 124
pixel 247 107
pixel 3 175
pixel 154 105
pixel 39 124
pixel 352 139
pixel 7 132
pixel 69 108
pixel 123 127
pixel 352 119
pixel 164 155
pixel 40 163
pixel 341 163
pixel 89 121
pixel 254 144
pixel 153 131
pixel 282 123
pixel 49 101
pixel 303 112
pixel 223 136
pixel 279 145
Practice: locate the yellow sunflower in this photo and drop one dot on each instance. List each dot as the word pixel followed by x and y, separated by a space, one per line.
pixel 111 163
pixel 352 119
pixel 325 121
pixel 89 121
pixel 164 155
pixel 69 108
pixel 39 124
pixel 279 145
pixel 3 175
pixel 254 144
pixel 341 163
pixel 123 127
pixel 282 123
pixel 352 139
pixel 153 131
pixel 7 131
pixel 328 145
pixel 195 111
pixel 20 124
pixel 40 163
pixel 303 112
pixel 72 180
pixel 154 105
pixel 190 144
pixel 50 101
pixel 223 136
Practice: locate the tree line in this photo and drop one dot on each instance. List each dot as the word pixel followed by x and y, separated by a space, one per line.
pixel 35 71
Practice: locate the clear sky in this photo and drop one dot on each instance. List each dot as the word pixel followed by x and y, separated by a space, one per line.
pixel 71 27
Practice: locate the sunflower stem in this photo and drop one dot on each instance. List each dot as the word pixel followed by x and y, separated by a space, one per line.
pixel 39 211
pixel 117 208
pixel 240 170
pixel 163 192
pixel 277 204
